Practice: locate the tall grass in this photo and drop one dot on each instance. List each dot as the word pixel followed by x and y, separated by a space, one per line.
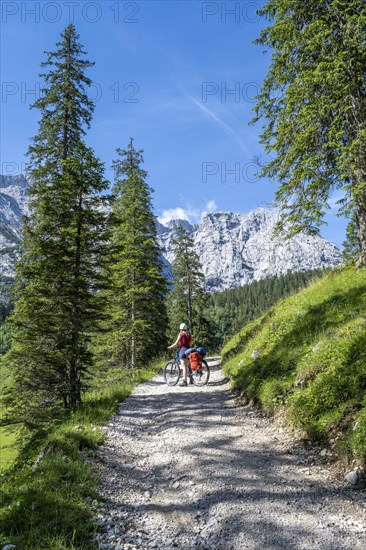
pixel 47 503
pixel 8 448
pixel 311 358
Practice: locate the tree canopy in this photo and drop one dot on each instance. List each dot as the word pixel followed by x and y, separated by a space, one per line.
pixel 57 308
pixel 188 299
pixel 135 330
pixel 313 100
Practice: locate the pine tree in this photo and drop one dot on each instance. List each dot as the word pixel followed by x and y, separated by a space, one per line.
pixel 5 308
pixel 351 246
pixel 231 309
pixel 188 299
pixel 314 101
pixel 136 330
pixel 57 308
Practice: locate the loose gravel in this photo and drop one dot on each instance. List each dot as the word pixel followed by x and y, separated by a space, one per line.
pixel 189 468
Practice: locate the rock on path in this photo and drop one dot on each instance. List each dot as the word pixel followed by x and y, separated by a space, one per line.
pixel 184 468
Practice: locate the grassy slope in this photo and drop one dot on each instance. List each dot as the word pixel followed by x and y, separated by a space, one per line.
pixel 8 451
pixel 51 507
pixel 312 359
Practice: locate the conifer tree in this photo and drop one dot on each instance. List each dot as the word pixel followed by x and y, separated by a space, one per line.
pixel 188 299
pixel 136 330
pixel 231 309
pixel 57 307
pixel 314 102
pixel 351 246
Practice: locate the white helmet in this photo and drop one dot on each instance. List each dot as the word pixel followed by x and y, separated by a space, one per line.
pixel 183 326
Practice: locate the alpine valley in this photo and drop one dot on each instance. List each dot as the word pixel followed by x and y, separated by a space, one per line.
pixel 235 249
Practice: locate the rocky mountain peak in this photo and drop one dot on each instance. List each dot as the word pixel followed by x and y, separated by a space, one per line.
pixel 13 204
pixel 13 181
pixel 174 224
pixel 234 248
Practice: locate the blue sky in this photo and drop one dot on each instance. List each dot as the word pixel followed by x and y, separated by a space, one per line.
pixel 177 76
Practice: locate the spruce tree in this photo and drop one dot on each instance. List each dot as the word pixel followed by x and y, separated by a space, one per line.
pixel 136 329
pixel 188 299
pixel 231 309
pixel 313 100
pixel 351 246
pixel 57 308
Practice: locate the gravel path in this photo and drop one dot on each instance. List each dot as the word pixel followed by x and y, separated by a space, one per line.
pixel 187 468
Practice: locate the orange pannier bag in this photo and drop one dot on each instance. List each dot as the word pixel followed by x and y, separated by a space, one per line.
pixel 195 360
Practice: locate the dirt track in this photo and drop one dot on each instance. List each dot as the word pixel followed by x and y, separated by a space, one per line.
pixel 187 468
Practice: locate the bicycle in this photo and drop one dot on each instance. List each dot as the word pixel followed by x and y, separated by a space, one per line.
pixel 173 372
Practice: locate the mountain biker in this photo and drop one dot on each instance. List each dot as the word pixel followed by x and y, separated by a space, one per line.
pixel 183 342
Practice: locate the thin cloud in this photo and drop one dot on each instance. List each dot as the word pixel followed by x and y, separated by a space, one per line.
pixel 190 214
pixel 211 205
pixel 221 123
pixel 333 201
pixel 173 214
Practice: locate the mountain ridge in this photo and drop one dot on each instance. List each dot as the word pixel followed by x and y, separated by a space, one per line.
pixel 234 248
pixel 13 204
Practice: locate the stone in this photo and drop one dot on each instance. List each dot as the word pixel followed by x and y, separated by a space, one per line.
pixel 210 523
pixel 352 477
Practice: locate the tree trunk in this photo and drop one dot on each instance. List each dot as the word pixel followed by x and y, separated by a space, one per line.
pixel 189 304
pixel 361 229
pixel 75 389
pixel 75 383
pixel 133 335
pixel 133 345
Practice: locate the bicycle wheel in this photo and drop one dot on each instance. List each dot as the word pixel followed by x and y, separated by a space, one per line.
pixel 202 376
pixel 171 373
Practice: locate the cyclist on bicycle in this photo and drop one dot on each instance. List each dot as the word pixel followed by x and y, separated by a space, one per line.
pixel 183 342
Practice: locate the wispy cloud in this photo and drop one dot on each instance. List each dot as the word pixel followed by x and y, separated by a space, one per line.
pixel 190 213
pixel 211 206
pixel 334 200
pixel 228 129
pixel 174 214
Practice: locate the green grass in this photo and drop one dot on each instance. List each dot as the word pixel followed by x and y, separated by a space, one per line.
pixel 312 359
pixel 51 506
pixel 8 449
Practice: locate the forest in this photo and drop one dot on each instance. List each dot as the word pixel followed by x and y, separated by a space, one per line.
pixel 230 310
